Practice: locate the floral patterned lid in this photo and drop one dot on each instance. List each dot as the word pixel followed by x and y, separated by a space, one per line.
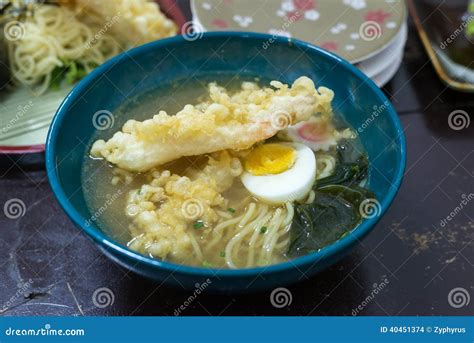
pixel 353 29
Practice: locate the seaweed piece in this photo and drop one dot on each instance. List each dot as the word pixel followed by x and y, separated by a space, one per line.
pixel 350 170
pixel 348 174
pixel 354 194
pixel 333 213
pixel 335 210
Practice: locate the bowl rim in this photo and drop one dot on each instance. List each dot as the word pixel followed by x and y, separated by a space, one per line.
pixel 106 242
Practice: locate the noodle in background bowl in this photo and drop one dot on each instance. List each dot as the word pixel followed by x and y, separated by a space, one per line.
pixel 249 55
pixel 32 141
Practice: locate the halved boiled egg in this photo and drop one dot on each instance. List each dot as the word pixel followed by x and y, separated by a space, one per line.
pixel 279 172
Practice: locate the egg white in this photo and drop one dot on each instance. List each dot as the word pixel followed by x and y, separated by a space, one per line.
pixel 290 185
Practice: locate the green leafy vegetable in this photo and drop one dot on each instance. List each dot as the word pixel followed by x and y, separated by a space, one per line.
pixel 207 264
pixel 321 223
pixel 75 73
pixel 354 194
pixel 347 173
pixel 335 209
pixel 263 229
pixel 198 224
pixel 56 78
pixel 231 210
pixel 71 71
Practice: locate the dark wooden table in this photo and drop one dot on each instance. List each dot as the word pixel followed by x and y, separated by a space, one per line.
pixel 47 267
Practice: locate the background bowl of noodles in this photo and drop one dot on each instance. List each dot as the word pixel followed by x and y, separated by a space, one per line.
pixel 47 48
pixel 205 56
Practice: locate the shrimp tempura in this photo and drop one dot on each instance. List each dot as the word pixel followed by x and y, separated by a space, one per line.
pixel 224 122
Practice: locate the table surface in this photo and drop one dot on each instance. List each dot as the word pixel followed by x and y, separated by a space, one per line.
pixel 47 267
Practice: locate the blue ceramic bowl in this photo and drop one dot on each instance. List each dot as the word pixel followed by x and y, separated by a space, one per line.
pixel 153 65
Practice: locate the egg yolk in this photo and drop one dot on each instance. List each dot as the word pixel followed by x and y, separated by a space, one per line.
pixel 270 158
